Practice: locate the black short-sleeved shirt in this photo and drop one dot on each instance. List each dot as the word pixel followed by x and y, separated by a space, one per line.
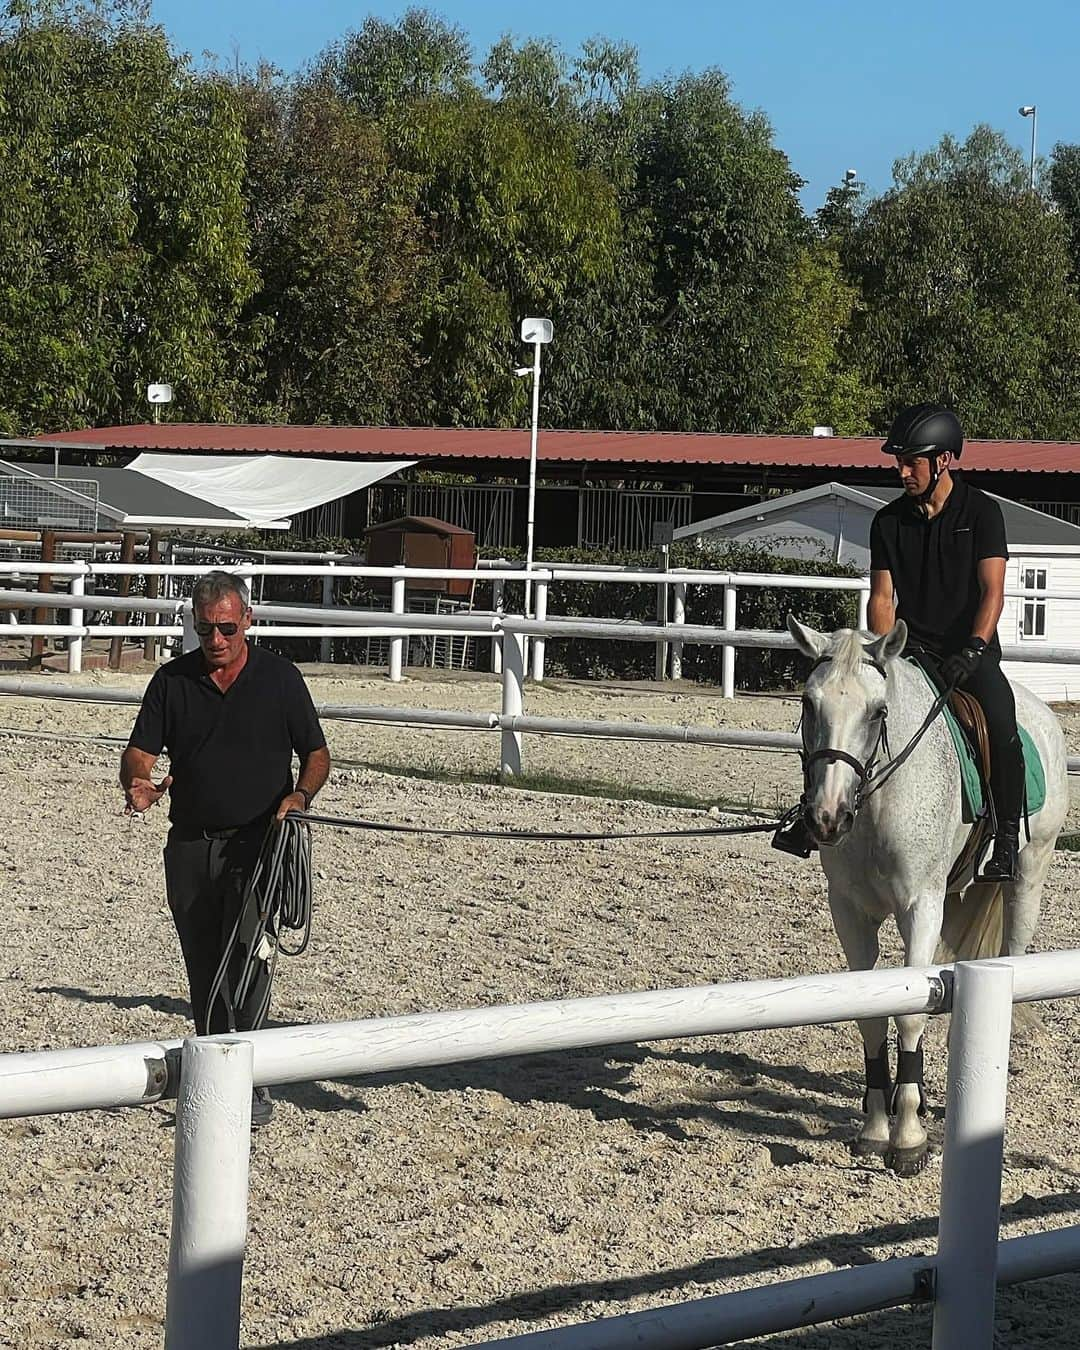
pixel 934 563
pixel 230 753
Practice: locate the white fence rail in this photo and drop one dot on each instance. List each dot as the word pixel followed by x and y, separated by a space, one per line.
pixel 455 719
pixel 212 1138
pixel 669 638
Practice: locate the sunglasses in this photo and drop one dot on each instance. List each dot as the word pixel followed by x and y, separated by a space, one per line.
pixel 204 628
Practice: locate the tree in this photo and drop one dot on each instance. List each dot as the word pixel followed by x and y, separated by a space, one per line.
pixel 966 293
pixel 821 388
pixel 1065 194
pixel 339 250
pixel 122 235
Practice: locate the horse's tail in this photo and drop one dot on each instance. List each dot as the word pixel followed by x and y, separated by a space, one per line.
pixel 972 929
pixel 973 925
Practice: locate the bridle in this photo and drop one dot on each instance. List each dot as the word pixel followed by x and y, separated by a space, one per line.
pixel 864 771
pixel 872 777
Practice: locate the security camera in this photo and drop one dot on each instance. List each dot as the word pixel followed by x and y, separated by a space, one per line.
pixel 850 176
pixel 523 370
pixel 1027 110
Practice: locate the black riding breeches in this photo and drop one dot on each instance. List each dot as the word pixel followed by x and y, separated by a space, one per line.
pixel 205 881
pixel 994 693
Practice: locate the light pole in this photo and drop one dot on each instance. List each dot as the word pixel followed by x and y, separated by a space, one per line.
pixel 1030 110
pixel 538 332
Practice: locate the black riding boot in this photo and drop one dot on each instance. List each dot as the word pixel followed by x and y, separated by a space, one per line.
pixel 794 838
pixel 1007 791
pixel 1005 860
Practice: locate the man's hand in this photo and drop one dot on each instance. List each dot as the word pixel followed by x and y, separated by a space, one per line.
pixel 964 663
pixel 295 801
pixel 143 794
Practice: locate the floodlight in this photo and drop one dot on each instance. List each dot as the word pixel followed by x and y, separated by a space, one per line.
pixel 536 330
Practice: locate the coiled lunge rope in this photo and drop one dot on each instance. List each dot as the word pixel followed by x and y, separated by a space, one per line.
pixel 276 901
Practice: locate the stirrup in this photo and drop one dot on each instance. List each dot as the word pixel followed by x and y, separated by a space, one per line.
pixel 1004 861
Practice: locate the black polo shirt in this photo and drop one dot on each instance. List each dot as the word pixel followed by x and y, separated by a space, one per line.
pixel 934 563
pixel 230 753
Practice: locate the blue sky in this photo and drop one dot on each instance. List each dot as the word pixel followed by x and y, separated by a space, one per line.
pixel 845 84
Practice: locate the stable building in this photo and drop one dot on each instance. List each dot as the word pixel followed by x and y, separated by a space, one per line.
pixel 595 489
pixel 831 522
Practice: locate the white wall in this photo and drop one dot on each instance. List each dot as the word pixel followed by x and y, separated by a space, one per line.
pixel 1056 683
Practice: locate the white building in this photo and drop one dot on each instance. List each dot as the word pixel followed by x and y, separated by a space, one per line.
pixel 832 522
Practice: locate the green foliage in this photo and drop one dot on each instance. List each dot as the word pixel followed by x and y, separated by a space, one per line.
pixel 357 242
pixel 123 245
pixel 821 388
pixel 339 250
pixel 1065 193
pixel 966 293
pixel 758 607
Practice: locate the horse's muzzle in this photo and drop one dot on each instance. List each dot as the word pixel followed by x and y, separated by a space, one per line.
pixel 829 826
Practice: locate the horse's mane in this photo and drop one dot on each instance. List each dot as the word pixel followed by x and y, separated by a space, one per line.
pixel 846 652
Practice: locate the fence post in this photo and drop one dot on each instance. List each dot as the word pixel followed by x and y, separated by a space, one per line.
pixel 863 620
pixel 540 614
pixel 210 1196
pixel 123 588
pixel 76 617
pixel 513 701
pixel 662 614
pixel 38 645
pixel 731 596
pixel 325 652
pixel 397 606
pixel 971 1163
pixel 153 590
pixel 497 587
pixel 190 639
pixel 678 616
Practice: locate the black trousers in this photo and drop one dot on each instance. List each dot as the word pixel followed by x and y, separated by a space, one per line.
pixel 993 691
pixel 205 880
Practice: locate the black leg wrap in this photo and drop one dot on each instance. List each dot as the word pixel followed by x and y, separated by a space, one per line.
pixel 909 1069
pixel 878 1076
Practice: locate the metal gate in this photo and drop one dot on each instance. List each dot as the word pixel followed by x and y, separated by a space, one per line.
pixel 618 519
pixel 32 502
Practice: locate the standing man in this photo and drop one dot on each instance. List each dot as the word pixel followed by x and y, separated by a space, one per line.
pixel 937 561
pixel 230 716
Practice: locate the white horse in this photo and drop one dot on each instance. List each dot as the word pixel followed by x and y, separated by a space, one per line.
pixel 890 851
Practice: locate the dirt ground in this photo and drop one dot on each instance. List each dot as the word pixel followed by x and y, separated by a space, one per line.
pixel 451 1206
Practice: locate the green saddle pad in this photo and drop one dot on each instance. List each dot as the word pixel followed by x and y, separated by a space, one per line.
pixel 970 780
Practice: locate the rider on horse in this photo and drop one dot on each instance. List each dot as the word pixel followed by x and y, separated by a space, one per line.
pixel 937 561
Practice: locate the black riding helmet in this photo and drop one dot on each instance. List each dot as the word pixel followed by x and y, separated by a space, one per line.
pixel 925 429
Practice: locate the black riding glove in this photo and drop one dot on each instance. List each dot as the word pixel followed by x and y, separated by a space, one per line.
pixel 964 663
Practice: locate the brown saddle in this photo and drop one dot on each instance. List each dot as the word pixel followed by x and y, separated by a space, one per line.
pixel 968 712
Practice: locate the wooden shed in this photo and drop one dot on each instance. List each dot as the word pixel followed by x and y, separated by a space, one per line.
pixel 423 541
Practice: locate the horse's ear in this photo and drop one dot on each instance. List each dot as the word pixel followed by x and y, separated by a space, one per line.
pixel 890 644
pixel 808 640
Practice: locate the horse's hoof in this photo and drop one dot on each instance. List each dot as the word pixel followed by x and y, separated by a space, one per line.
pixel 907 1162
pixel 869 1148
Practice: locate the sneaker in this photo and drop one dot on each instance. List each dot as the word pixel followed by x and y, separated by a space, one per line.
pixel 262 1108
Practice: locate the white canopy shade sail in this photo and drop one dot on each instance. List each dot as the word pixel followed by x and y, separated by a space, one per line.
pixel 265 488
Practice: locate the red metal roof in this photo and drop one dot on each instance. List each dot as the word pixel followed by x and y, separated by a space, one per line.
pixel 587 447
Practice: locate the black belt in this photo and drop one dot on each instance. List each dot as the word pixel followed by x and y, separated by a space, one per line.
pixel 192 832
